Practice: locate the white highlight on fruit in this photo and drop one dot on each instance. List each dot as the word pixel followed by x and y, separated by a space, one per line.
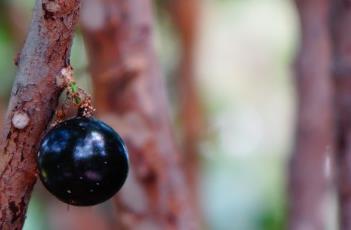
pixel 20 120
pixel 69 191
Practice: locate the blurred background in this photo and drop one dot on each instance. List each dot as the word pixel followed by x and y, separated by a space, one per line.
pixel 242 65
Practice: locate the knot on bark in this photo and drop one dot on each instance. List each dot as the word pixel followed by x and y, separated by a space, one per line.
pixel 20 120
pixel 53 8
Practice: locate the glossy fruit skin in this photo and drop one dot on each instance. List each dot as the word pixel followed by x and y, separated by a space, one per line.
pixel 82 161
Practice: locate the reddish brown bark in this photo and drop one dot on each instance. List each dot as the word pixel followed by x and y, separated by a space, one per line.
pixel 314 135
pixel 130 96
pixel 341 31
pixel 45 53
pixel 185 15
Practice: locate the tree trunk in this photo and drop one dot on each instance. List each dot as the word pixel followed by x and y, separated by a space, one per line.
pixel 185 15
pixel 314 135
pixel 130 95
pixel 341 31
pixel 33 100
pixel 77 218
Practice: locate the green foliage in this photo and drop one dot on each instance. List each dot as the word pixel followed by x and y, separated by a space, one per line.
pixel 36 215
pixel 7 54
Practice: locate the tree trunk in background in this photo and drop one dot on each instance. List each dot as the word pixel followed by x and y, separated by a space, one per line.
pixel 185 15
pixel 34 95
pixel 2 113
pixel 341 31
pixel 15 19
pixel 314 135
pixel 77 218
pixel 130 95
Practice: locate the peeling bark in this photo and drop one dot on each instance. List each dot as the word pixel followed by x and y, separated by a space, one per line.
pixel 45 52
pixel 314 135
pixel 341 31
pixel 130 96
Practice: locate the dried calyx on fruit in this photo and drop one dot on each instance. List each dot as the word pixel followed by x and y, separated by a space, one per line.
pixel 74 100
pixel 82 161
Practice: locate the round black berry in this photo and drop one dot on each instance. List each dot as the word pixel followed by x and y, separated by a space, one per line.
pixel 82 161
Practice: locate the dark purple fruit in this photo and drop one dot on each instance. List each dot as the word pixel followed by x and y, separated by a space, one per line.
pixel 82 161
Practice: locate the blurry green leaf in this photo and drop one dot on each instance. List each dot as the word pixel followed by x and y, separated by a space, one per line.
pixel 36 218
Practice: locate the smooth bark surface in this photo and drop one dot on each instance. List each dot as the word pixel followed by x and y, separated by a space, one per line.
pixel 130 95
pixel 314 135
pixel 341 32
pixel 34 94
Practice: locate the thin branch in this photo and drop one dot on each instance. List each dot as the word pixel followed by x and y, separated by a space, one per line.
pixel 34 96
pixel 130 95
pixel 314 135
